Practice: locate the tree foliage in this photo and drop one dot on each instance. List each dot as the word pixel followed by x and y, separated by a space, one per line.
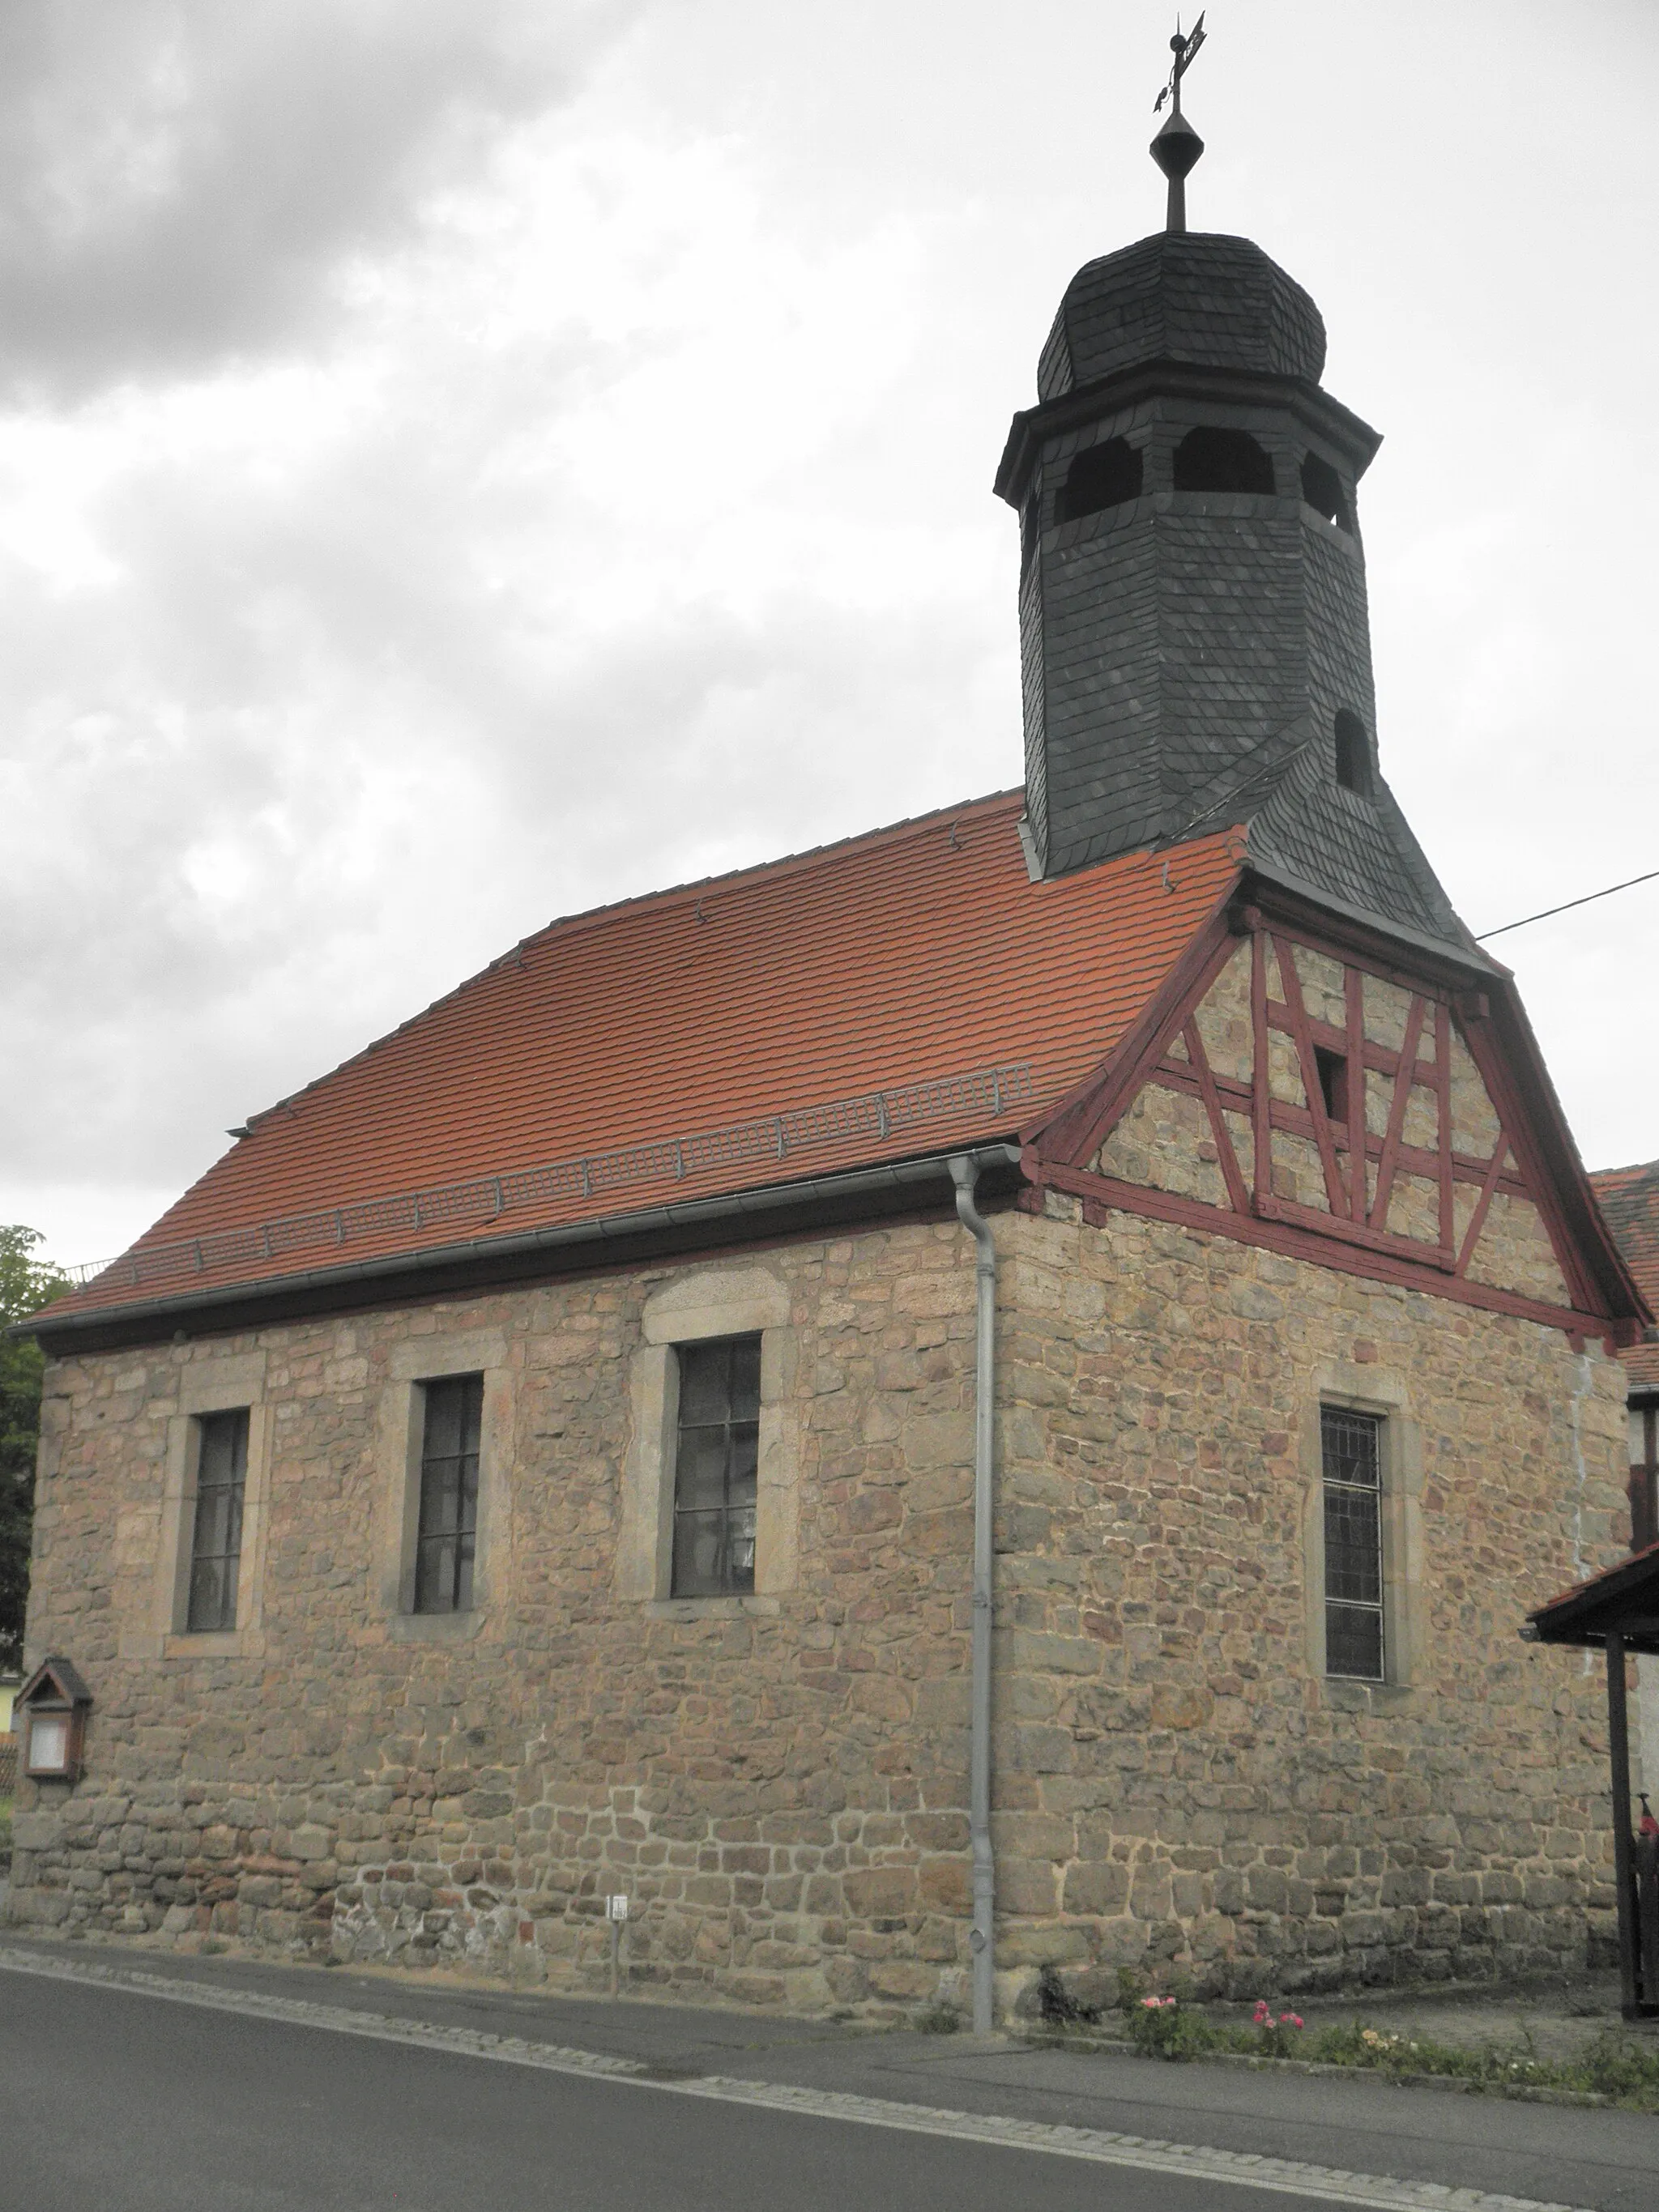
pixel 25 1286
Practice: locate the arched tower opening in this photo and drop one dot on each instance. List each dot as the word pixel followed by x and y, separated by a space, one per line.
pixel 1211 458
pixel 1321 488
pixel 1354 753
pixel 1108 475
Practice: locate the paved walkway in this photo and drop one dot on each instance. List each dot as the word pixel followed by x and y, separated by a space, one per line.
pixel 1355 2139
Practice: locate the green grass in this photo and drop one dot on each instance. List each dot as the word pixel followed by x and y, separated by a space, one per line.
pixel 1615 2065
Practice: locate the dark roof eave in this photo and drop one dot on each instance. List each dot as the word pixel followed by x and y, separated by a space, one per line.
pixel 766 1210
pixel 1178 380
pixel 1623 1598
pixel 1466 965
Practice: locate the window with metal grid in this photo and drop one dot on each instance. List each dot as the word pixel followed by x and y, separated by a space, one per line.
pixel 716 1460
pixel 216 1544
pixel 447 1540
pixel 1351 1448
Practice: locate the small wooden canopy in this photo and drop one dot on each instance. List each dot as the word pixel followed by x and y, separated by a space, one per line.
pixel 1625 1599
pixel 55 1682
pixel 1618 1610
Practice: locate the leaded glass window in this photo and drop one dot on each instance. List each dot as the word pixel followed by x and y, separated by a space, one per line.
pixel 1352 1453
pixel 447 1542
pixel 714 1468
pixel 216 1544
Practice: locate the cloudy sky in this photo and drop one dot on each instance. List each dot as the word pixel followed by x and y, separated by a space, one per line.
pixel 463 460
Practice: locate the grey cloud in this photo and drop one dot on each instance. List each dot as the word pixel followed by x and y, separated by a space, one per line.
pixel 181 180
pixel 406 782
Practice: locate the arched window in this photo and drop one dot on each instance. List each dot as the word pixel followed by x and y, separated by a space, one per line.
pixel 1210 459
pixel 1354 754
pixel 1100 476
pixel 1321 488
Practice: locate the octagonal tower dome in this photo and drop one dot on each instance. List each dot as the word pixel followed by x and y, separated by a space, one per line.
pixel 1189 296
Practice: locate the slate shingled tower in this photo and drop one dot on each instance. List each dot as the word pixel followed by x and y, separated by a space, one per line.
pixel 1195 639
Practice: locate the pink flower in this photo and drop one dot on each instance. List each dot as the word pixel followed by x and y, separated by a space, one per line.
pixel 1291 2019
pixel 1263 2016
pixel 1156 2005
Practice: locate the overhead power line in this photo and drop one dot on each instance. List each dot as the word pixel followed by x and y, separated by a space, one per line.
pixel 1567 906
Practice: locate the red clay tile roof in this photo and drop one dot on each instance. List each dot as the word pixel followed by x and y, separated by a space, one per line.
pixel 911 955
pixel 1624 1596
pixel 1629 1199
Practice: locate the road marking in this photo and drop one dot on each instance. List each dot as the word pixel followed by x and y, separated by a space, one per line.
pixel 1287 2177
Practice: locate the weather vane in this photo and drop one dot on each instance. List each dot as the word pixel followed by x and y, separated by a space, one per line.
pixel 1177 145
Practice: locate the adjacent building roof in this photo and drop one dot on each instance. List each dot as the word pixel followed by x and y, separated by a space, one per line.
pixel 1629 1199
pixel 1624 1597
pixel 896 994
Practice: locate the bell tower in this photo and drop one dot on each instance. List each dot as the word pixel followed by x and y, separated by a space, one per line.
pixel 1194 641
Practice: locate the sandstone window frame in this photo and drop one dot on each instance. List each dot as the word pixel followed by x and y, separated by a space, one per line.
pixel 228 1383
pixel 400 1436
pixel 1383 1395
pixel 704 1302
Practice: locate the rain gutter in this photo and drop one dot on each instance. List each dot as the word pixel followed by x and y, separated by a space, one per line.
pixel 563 1247
pixel 982 1939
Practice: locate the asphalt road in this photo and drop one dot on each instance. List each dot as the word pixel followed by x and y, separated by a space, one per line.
pixel 121 2101
pixel 116 2100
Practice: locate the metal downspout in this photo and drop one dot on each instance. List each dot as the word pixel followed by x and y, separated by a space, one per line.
pixel 981 1940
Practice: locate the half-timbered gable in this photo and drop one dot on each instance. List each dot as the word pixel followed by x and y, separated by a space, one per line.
pixel 1327 1096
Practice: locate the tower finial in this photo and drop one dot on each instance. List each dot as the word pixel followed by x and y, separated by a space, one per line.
pixel 1177 145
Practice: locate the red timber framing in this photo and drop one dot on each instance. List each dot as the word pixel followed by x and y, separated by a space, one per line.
pixel 1360 1164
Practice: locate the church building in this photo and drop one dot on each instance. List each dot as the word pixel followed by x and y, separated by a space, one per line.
pixel 987 1398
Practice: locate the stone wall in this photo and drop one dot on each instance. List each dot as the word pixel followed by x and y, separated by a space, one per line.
pixel 778 1783
pixel 1183 1791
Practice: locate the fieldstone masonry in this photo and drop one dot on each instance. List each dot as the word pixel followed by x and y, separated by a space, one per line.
pixel 778 1783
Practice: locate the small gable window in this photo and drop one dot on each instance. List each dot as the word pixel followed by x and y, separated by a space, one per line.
pixel 1333 1082
pixel 1321 488
pixel 1213 459
pixel 1354 754
pixel 1106 475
